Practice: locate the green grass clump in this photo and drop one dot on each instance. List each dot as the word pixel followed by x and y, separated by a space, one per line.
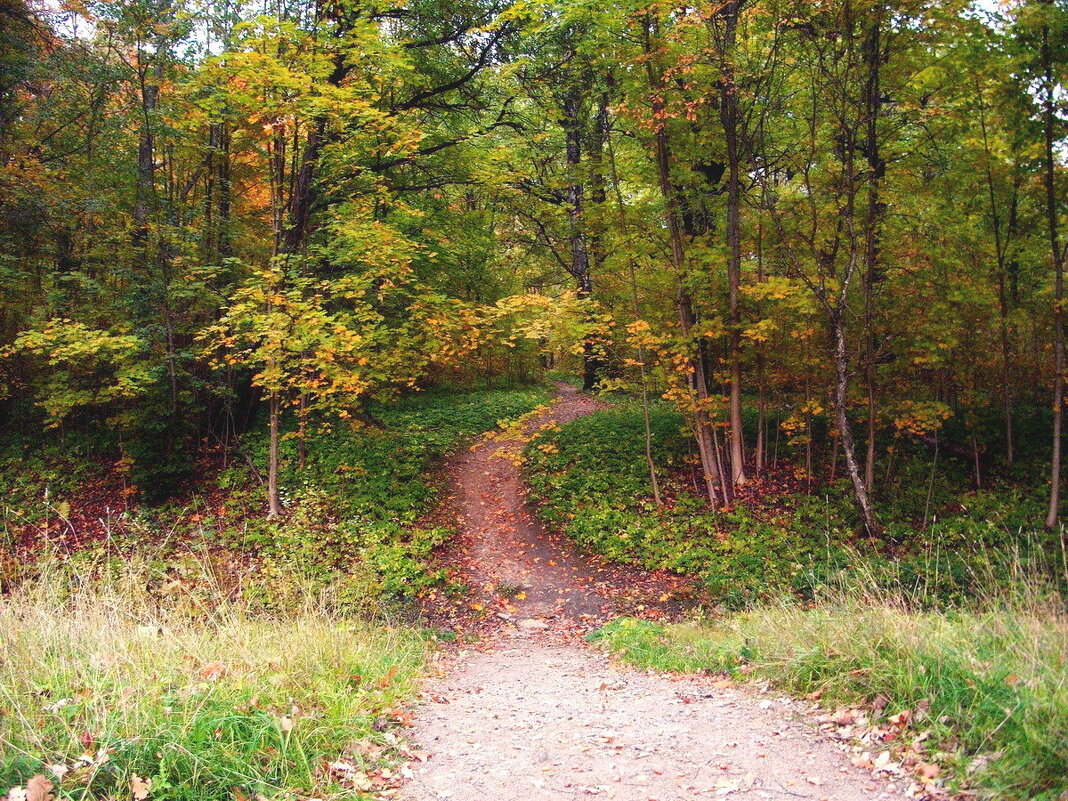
pixel 104 684
pixel 991 682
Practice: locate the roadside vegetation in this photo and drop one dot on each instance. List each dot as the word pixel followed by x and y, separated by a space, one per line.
pixel 122 681
pixel 791 533
pixel 357 509
pixel 199 650
pixel 975 696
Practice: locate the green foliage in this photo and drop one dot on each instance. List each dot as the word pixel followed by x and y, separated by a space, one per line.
pixel 592 481
pixel 86 368
pixel 984 683
pixel 355 534
pixel 381 468
pixel 357 504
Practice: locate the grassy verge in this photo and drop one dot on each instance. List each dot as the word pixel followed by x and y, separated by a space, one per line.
pixel 197 651
pixel 982 693
pixel 136 685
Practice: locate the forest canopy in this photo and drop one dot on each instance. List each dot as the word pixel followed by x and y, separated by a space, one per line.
pixel 845 217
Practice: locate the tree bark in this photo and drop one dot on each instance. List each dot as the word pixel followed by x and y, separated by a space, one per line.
pixel 298 226
pixel 1049 119
pixel 845 430
pixel 759 460
pixel 698 379
pixel 635 312
pixel 729 120
pixel 144 199
pixel 580 257
pixel 302 432
pixel 872 105
pixel 1001 245
pixel 274 505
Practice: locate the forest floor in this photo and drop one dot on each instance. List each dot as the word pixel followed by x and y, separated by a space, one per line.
pixel 527 710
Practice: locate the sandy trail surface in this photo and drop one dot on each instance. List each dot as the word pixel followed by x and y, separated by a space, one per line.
pixel 533 713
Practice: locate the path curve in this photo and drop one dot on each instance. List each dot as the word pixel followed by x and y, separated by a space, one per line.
pixel 533 714
pixel 516 567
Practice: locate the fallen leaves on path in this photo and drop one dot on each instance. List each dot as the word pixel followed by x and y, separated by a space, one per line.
pixel 515 569
pixel 525 711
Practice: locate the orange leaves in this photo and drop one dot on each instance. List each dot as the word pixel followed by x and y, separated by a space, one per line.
pixel 920 417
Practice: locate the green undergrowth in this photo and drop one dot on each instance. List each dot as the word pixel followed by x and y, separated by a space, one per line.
pixel 984 689
pixel 359 503
pixel 591 480
pixel 200 651
pixel 128 681
pixel 357 514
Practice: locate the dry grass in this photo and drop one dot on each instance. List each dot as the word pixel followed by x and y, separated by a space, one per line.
pixel 108 681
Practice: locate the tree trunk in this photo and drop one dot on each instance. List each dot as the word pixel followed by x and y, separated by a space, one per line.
pixel 845 430
pixel 729 119
pixel 1049 121
pixel 683 304
pixel 274 505
pixel 635 312
pixel 873 56
pixel 224 240
pixel 146 154
pixel 1001 245
pixel 762 416
pixel 838 308
pixel 302 432
pixel 217 194
pixel 580 258
pixel 298 226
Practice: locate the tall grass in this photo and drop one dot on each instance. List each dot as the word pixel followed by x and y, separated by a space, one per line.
pixel 988 682
pixel 115 677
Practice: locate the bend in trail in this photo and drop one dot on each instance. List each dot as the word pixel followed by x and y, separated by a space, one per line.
pixel 534 714
pixel 514 565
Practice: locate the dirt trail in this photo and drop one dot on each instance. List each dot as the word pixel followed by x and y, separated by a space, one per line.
pixel 535 714
pixel 516 567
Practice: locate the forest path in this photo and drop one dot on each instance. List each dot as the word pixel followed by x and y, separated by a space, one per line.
pixel 533 713
pixel 518 569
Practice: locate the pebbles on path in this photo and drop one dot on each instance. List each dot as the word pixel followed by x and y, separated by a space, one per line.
pixel 536 719
pixel 535 714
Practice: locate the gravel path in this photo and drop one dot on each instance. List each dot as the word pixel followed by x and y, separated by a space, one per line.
pixel 534 714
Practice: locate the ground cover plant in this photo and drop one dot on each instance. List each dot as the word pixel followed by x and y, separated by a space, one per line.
pixel 354 505
pixel 791 533
pixel 200 650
